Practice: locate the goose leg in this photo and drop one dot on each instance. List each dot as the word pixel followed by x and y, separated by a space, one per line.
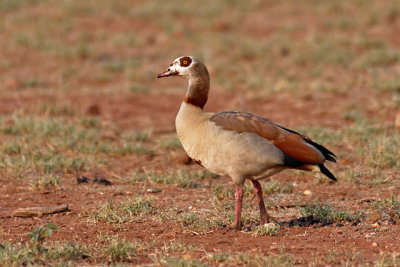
pixel 238 207
pixel 260 200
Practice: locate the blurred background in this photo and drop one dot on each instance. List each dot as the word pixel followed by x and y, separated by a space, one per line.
pixel 79 94
pixel 258 48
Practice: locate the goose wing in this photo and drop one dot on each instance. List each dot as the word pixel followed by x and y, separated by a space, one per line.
pixel 298 149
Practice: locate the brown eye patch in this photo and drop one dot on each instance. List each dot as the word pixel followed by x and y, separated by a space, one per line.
pixel 185 61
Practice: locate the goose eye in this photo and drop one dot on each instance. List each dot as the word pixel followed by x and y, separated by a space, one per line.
pixel 185 61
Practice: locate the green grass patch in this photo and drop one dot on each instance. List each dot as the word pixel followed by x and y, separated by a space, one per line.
pixel 378 58
pixel 392 205
pixel 112 249
pixel 193 221
pixel 174 246
pixel 68 251
pixel 126 211
pixel 48 145
pixel 16 254
pixel 251 259
pixel 34 252
pixel 39 235
pixel 272 187
pixel 198 221
pixel 326 212
pixel 46 183
pixel 176 262
pixel 118 250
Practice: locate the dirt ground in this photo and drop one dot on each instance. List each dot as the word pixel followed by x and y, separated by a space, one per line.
pixel 328 70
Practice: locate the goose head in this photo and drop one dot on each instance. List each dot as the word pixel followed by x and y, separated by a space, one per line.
pixel 196 73
pixel 184 66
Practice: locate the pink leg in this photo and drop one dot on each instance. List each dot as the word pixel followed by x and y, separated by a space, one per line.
pixel 238 207
pixel 260 200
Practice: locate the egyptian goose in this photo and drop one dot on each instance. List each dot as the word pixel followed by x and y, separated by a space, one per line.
pixel 241 145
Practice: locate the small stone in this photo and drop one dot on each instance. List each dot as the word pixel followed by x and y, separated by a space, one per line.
pixel 374 244
pixel 307 193
pixel 375 225
pixel 154 190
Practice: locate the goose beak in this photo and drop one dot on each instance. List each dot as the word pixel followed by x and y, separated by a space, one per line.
pixel 167 73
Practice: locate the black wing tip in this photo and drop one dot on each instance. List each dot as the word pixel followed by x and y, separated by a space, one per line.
pixel 326 172
pixel 329 155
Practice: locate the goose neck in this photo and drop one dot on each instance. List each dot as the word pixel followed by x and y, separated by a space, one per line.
pixel 197 93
